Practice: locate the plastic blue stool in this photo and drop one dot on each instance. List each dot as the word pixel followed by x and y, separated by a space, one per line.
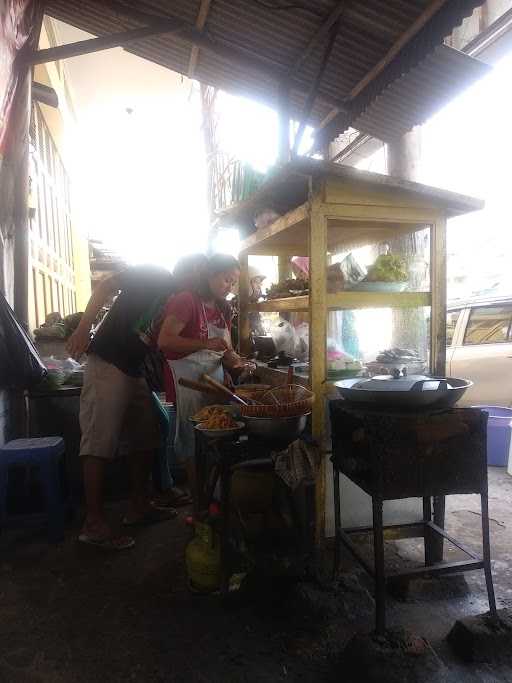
pixel 46 454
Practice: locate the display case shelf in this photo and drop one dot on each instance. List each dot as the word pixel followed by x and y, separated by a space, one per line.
pixel 350 300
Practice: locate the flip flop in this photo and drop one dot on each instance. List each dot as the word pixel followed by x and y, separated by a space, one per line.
pixel 109 543
pixel 172 500
pixel 152 516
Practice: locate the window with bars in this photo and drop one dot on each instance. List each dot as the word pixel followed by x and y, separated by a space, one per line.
pixel 52 250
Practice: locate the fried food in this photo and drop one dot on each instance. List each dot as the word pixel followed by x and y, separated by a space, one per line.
pixel 208 411
pixel 221 420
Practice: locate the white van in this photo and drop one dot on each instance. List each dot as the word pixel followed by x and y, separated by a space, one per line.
pixel 479 348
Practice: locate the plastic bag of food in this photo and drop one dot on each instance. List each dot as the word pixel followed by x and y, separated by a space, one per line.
pixel 284 337
pixel 302 342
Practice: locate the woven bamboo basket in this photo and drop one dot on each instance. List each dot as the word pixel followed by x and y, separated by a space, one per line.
pixel 289 400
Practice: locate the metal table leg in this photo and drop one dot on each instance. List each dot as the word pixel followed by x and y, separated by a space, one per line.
pixel 437 545
pixel 337 520
pixel 225 495
pixel 428 538
pixel 487 552
pixel 380 578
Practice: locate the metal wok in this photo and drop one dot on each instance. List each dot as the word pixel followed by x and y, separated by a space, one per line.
pixel 281 430
pixel 411 393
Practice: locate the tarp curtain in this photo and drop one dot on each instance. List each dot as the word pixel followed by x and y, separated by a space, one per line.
pixel 19 24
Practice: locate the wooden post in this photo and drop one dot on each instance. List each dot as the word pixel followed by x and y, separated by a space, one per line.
pixel 438 289
pixel 243 300
pixel 317 342
pixel 20 152
pixel 283 110
pixel 283 266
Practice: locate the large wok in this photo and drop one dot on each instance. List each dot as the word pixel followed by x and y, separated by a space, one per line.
pixel 406 393
pixel 278 430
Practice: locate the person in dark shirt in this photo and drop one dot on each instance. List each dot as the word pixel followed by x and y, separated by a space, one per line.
pixel 116 406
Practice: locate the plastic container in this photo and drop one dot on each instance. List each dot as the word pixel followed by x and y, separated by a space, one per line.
pixel 499 429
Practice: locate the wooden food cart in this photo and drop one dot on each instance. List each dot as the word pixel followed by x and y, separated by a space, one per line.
pixel 323 206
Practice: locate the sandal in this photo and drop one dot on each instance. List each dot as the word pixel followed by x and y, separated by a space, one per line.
pixel 173 498
pixel 107 542
pixel 152 516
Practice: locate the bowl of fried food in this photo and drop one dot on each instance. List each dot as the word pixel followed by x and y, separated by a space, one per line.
pixel 208 411
pixel 219 425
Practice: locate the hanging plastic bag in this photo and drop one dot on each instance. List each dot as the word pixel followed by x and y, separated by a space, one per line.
pixel 20 364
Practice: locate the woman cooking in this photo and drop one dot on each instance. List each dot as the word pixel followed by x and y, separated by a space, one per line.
pixel 195 338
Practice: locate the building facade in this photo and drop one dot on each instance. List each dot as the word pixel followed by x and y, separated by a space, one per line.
pixel 59 274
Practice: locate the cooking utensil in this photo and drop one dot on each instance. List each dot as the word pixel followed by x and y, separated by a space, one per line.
pixel 224 390
pixel 198 386
pixel 282 430
pixel 408 393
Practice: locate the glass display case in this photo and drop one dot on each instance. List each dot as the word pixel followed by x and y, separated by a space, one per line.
pixel 394 230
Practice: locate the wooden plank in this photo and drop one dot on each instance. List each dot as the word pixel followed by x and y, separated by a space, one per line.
pixel 407 36
pixel 349 300
pixel 438 287
pixel 281 250
pixel 292 303
pixel 243 296
pixel 340 191
pixel 283 113
pixel 290 219
pixel 317 344
pixel 202 15
pixel 83 47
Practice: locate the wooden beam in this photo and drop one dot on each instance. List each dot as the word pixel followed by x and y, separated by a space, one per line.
pixel 202 15
pixel 321 33
pixel 83 47
pixel 265 66
pixel 405 38
pixel 283 112
pixel 310 99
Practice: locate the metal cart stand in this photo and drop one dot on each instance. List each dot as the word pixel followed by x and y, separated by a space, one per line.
pixel 411 455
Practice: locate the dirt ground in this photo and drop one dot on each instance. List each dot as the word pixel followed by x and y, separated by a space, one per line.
pixel 74 614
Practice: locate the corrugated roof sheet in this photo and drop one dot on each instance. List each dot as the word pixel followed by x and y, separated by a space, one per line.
pixel 419 93
pixel 277 38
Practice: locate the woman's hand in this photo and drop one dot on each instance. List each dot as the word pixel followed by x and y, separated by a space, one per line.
pixel 217 344
pixel 79 341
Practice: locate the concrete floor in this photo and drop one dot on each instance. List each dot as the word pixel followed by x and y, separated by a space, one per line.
pixel 73 614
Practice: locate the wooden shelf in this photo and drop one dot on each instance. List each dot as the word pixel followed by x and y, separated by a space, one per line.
pixel 349 301
pixel 348 227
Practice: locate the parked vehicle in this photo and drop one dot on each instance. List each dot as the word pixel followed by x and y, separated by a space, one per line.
pixel 479 348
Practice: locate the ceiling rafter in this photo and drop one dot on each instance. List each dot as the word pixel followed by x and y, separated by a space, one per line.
pixel 402 41
pixel 322 32
pixel 202 16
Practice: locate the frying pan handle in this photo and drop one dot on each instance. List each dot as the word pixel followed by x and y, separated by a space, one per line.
pixel 222 389
pixel 418 386
pixel 197 386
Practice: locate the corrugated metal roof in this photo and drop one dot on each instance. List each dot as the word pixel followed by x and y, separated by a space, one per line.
pixel 277 38
pixel 418 94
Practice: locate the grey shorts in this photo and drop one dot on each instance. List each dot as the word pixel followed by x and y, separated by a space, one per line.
pixel 116 412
